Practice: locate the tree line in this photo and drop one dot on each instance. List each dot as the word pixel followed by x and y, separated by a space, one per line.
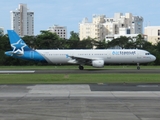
pixel 49 40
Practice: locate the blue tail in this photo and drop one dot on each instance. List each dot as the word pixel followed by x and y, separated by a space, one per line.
pixel 16 42
pixel 20 48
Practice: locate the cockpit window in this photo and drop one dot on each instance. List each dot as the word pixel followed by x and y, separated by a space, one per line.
pixel 147 53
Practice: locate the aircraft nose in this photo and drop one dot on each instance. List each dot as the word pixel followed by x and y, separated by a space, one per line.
pixel 153 58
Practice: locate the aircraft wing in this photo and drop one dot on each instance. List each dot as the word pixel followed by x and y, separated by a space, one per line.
pixel 81 60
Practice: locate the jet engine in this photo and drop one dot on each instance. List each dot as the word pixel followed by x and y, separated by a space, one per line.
pixel 98 63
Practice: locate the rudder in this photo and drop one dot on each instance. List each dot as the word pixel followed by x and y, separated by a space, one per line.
pixel 15 41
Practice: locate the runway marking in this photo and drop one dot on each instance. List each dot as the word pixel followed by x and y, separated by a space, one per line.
pixel 16 72
pixel 147 85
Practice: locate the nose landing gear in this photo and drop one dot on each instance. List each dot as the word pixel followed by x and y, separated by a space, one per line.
pixel 138 67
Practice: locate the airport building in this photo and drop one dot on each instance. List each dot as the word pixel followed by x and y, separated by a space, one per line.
pixel 153 34
pixel 61 31
pixel 1 31
pixel 22 20
pixel 102 26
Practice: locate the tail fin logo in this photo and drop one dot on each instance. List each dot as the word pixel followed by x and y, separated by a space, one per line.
pixel 18 47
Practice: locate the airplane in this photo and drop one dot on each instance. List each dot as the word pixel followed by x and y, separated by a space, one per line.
pixel 94 57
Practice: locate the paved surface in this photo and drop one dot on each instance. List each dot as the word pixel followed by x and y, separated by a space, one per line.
pixel 124 87
pixel 76 71
pixel 79 102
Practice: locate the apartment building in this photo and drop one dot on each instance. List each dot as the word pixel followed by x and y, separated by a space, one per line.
pixel 153 34
pixel 22 20
pixel 122 32
pixel 102 25
pixel 61 31
pixel 92 30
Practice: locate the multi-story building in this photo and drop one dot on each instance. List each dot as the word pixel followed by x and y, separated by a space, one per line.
pixel 92 30
pixel 61 31
pixel 1 31
pixel 153 34
pixel 122 32
pixel 102 26
pixel 22 20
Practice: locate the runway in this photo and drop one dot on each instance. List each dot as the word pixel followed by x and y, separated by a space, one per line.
pixel 76 71
pixel 80 102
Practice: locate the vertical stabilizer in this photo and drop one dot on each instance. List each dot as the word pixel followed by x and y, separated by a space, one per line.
pixel 18 45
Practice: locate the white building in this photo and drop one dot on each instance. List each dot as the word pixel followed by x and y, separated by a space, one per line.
pixel 102 26
pixel 153 34
pixel 61 31
pixel 1 31
pixel 22 20
pixel 92 30
pixel 122 32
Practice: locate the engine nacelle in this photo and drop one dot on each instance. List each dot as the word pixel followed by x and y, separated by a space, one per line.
pixel 98 63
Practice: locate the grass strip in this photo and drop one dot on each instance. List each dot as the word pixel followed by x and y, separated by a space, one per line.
pixel 77 78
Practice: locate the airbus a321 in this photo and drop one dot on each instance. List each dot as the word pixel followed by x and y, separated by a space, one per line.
pixel 94 57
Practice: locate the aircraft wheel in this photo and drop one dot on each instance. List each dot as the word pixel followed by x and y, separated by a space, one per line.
pixel 81 67
pixel 138 68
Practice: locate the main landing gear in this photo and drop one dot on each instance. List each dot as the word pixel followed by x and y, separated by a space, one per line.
pixel 81 67
pixel 138 67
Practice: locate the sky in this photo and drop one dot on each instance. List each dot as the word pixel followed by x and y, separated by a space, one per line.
pixel 70 13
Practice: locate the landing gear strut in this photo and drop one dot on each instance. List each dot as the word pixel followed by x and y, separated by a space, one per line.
pixel 81 67
pixel 138 67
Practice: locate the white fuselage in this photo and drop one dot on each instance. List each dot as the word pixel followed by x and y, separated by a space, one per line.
pixel 114 56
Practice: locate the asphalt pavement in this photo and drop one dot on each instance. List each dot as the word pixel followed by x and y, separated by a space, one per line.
pixel 79 102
